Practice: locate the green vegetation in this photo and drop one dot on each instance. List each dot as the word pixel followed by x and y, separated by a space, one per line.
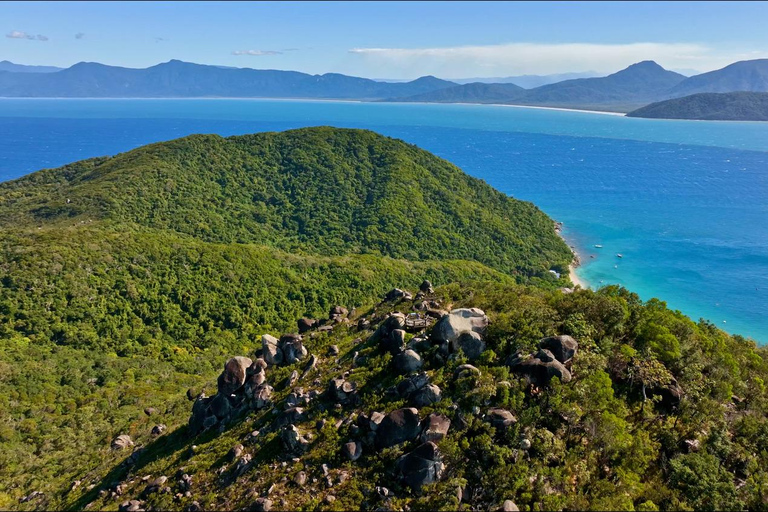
pixel 731 106
pixel 125 281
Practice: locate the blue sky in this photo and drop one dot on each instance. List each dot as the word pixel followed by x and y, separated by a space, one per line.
pixel 388 39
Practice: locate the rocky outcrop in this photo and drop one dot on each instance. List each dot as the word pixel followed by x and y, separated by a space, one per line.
pixel 397 427
pixel 471 343
pixel 292 440
pixel 541 367
pixel 390 323
pixel 426 287
pixel 459 321
pixel 397 294
pixel 306 324
pixel 233 376
pixel 394 342
pixel 426 396
pixel 241 386
pixel 337 314
pixel 342 391
pixel 422 466
pixel 287 350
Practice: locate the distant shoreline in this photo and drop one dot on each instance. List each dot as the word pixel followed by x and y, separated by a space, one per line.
pixel 328 100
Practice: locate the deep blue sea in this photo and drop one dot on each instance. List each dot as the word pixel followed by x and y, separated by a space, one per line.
pixel 684 202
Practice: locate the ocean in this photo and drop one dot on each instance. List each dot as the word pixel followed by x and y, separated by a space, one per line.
pixel 684 202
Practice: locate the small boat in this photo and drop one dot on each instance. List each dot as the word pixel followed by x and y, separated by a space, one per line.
pixel 619 255
pixel 598 246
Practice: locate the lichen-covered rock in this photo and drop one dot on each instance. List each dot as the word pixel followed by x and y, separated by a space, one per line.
pixel 233 376
pixel 407 362
pixel 422 466
pixel 398 426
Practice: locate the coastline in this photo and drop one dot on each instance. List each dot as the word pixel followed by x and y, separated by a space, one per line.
pixel 576 262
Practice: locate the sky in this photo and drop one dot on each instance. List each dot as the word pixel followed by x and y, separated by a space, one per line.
pixel 395 40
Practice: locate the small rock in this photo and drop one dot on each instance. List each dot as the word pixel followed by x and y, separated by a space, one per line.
pixel 300 479
pixel 122 441
pixel 509 506
pixel 330 499
pixel 149 411
pixel 262 505
pixel 500 418
pixel 158 429
pixel 333 350
pixel 352 450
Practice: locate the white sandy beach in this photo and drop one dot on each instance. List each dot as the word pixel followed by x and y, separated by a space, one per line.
pixel 577 281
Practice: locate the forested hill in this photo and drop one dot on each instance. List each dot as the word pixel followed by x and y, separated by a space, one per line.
pixel 316 190
pixel 731 106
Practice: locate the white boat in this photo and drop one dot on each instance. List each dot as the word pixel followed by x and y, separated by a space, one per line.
pixel 619 255
pixel 598 246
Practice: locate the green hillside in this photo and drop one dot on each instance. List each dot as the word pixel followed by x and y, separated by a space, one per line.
pixel 731 106
pixel 127 283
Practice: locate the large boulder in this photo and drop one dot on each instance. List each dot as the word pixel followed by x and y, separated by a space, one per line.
pixel 393 321
pixel 272 354
pixel 342 391
pixel 292 348
pixel 412 384
pixel 426 396
pixel 233 376
pixel 422 466
pixel 306 324
pixel 500 419
pixel 397 427
pixel 539 369
pixel 469 342
pixel 426 287
pixel 292 439
pixel 397 294
pixel 407 362
pixel 435 428
pixel 454 324
pixel 394 342
pixel 562 347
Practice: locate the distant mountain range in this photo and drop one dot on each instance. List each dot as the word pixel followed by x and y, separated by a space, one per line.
pixel 627 90
pixel 176 79
pixel 7 65
pixel 528 81
pixel 709 106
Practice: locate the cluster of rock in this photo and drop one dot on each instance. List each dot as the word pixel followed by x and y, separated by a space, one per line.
pixel 241 386
pixel 552 360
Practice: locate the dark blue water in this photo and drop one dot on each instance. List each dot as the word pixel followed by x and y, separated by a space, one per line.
pixel 684 202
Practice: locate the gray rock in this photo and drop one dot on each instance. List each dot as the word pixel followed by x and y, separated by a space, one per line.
pixel 300 479
pixel 407 362
pixel 272 354
pixel 131 506
pixel 352 450
pixel 469 342
pixel 292 348
pixel 158 429
pixel 500 418
pixel 149 411
pixel 422 466
pixel 261 396
pixel 426 287
pixel 537 371
pixel 333 350
pixel 220 406
pixel 459 321
pixel 121 441
pixel 563 348
pixel 398 426
pixel 509 506
pixel 292 439
pixel 465 370
pixel 262 505
pixel 306 324
pixel 394 342
pixel 397 294
pixel 435 428
pixel 426 396
pixel 391 323
pixel 412 384
pixel 233 376
pixel 363 324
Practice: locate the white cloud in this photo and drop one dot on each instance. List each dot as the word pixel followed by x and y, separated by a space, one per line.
pixel 535 58
pixel 259 53
pixel 17 34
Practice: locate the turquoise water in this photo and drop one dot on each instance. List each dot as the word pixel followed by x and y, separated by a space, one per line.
pixel 684 202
